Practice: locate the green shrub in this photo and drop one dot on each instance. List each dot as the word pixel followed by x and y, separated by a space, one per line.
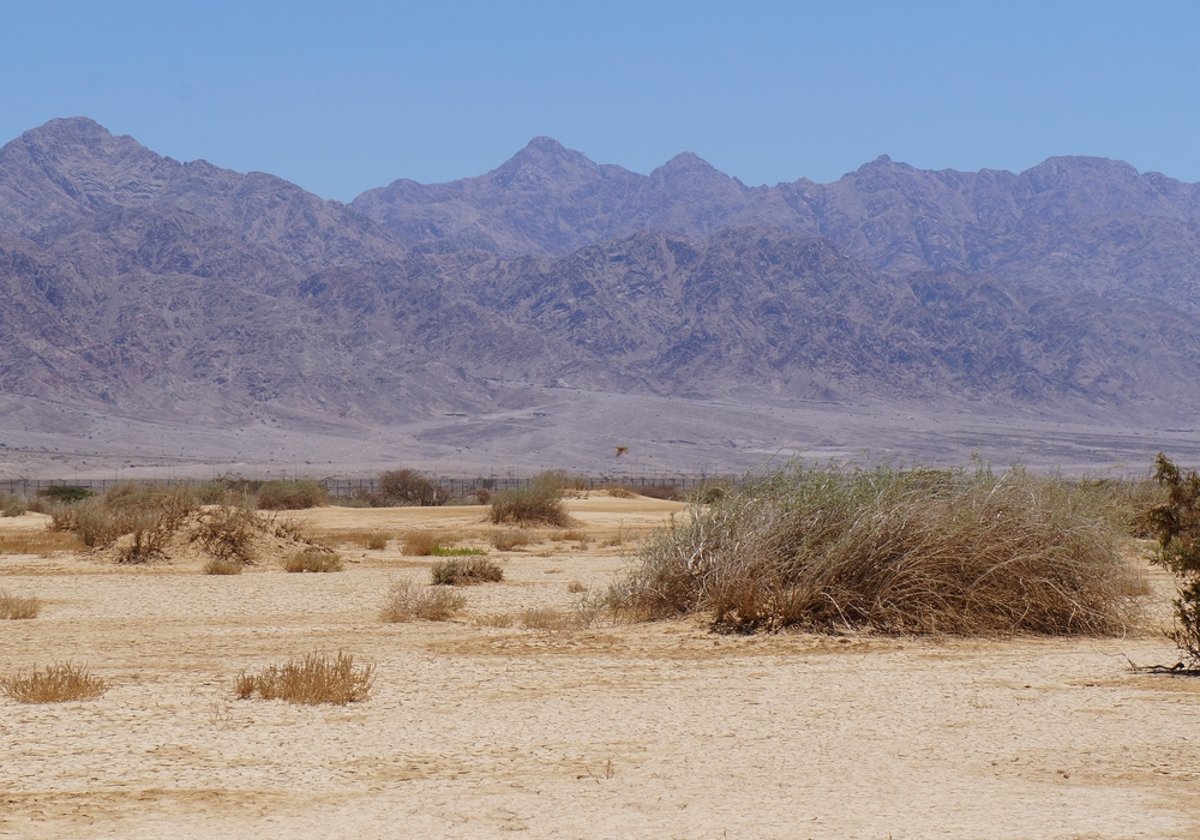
pixel 292 494
pixel 1177 525
pixel 66 493
pixel 456 551
pixel 538 504
pixel 897 552
pixel 465 572
pixel 407 487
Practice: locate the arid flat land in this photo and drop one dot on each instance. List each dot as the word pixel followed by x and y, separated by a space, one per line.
pixel 477 730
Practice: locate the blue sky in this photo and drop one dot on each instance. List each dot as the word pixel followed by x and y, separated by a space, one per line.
pixel 343 98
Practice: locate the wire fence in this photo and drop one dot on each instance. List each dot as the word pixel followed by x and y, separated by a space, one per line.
pixel 364 486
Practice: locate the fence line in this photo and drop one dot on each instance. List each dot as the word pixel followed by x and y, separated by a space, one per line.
pixel 349 487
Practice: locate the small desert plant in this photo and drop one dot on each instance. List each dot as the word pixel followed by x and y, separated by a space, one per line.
pixel 538 504
pixel 576 587
pixel 312 679
pixel 916 552
pixel 1177 523
pixel 466 571
pixel 292 494
pixel 408 602
pixel 222 566
pixel 508 540
pixel 57 684
pixel 313 560
pixel 17 606
pixel 11 505
pixel 620 491
pixel 419 543
pixel 457 551
pixel 548 618
pixel 407 487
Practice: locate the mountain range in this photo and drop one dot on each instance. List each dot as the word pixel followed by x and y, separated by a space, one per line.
pixel 136 286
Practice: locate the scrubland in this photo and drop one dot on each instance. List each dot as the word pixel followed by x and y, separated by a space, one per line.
pixel 880 654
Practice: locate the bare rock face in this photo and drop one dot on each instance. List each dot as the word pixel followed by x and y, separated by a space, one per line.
pixel 131 283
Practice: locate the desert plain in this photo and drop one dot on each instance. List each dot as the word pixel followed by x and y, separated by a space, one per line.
pixel 481 726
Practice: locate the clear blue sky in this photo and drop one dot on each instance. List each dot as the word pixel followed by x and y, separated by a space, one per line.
pixel 343 97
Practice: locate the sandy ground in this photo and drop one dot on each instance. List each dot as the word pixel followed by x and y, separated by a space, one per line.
pixel 660 730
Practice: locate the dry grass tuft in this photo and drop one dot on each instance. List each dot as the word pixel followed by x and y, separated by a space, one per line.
pixel 419 543
pixel 18 606
pixel 376 540
pixel 57 684
pixel 466 571
pixel 510 540
pixel 313 679
pixel 575 587
pixel 897 552
pixel 222 566
pixel 549 619
pixel 408 602
pixel 313 560
pixel 499 620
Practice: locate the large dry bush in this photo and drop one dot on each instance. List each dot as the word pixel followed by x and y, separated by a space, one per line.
pixel 897 552
pixel 150 513
pixel 57 684
pixel 540 503
pixel 312 679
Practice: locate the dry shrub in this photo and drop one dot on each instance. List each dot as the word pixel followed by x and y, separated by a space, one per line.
pixel 419 543
pixel 222 566
pixel 576 587
pixel 42 543
pixel 228 534
pixel 292 494
pixel 500 620
pixel 57 684
pixel 1176 521
pixel 896 552
pixel 312 679
pixel 509 540
pixel 11 505
pixel 440 550
pixel 664 492
pixel 17 606
pixel 466 571
pixel 408 602
pixel 538 504
pixel 313 560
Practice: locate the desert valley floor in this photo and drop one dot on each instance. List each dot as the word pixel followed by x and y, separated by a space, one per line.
pixel 474 729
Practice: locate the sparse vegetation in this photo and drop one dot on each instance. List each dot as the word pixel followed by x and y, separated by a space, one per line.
pixel 466 571
pixel 407 601
pixel 376 540
pixel 440 550
pixel 313 560
pixel 291 494
pixel 575 587
pixel 538 504
pixel 311 680
pixel 899 552
pixel 65 493
pixel 509 540
pixel 228 533
pixel 18 606
pixel 57 684
pixel 41 543
pixel 12 506
pixel 1177 525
